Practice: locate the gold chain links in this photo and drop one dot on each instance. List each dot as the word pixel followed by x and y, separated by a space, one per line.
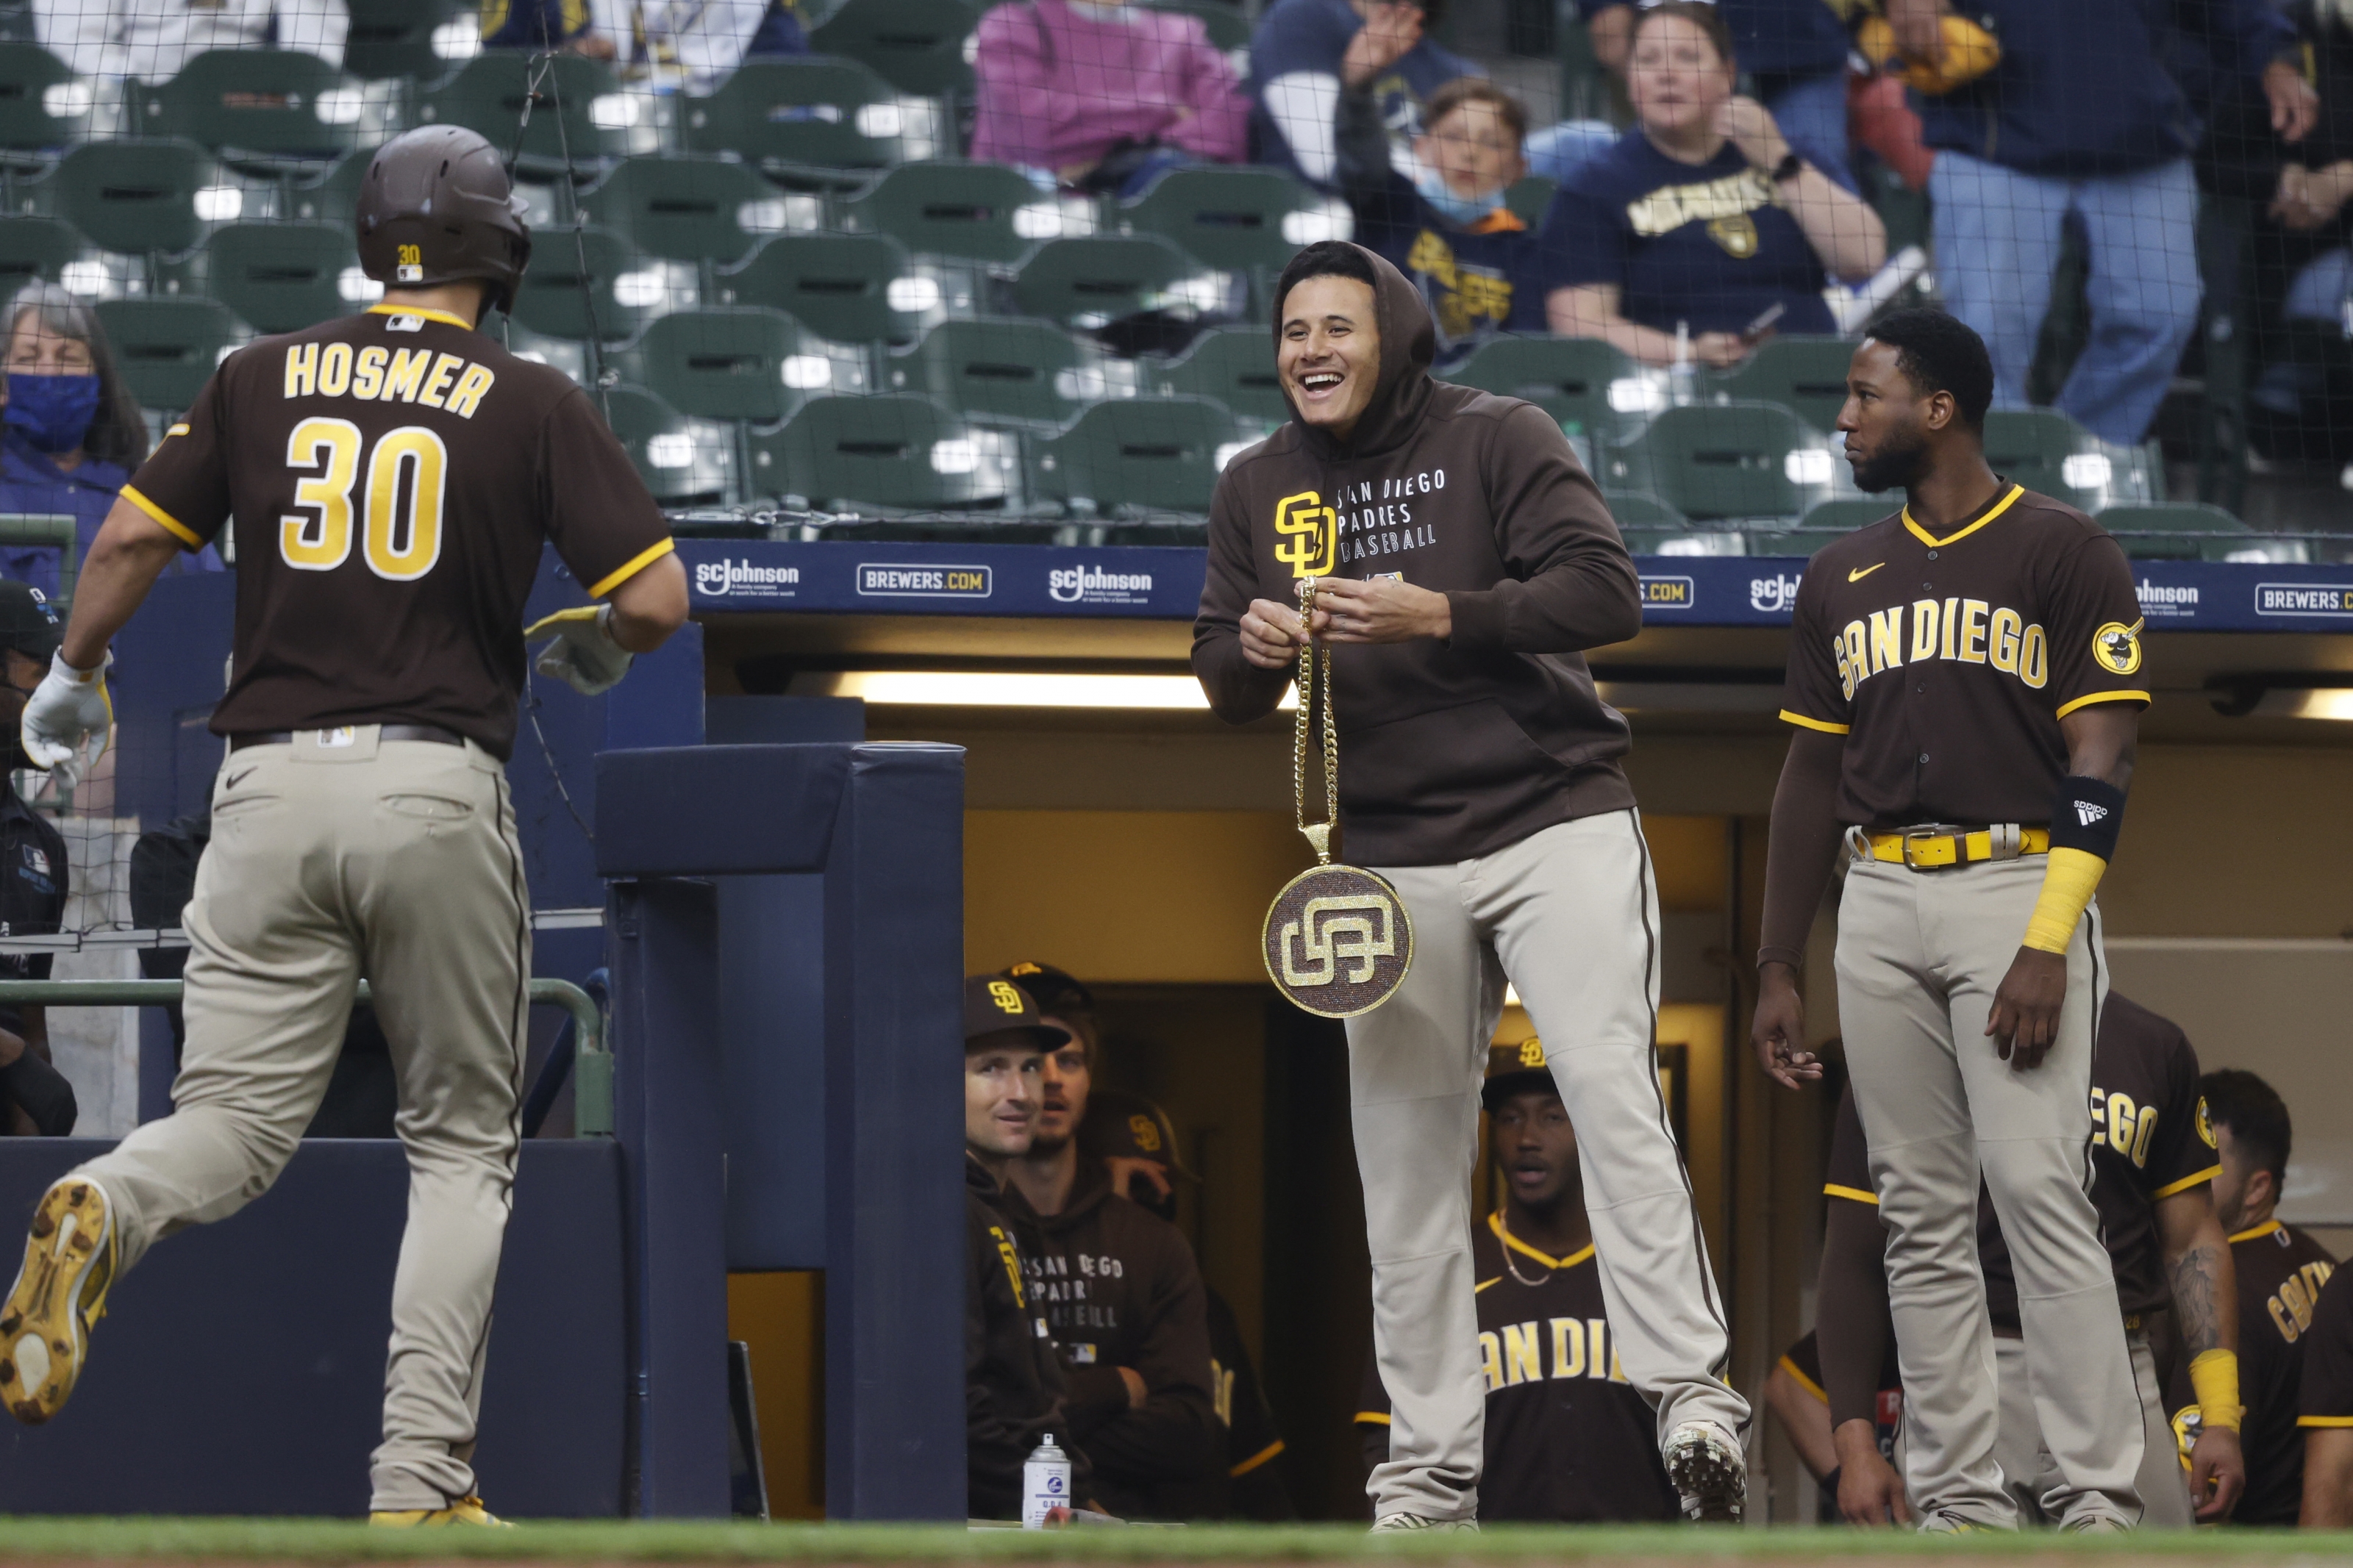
pixel 1318 834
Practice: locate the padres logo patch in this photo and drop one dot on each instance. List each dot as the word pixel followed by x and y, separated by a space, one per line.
pixel 1145 1132
pixel 1338 941
pixel 1307 536
pixel 1532 1052
pixel 1006 996
pixel 2205 1123
pixel 2116 647
pixel 1736 235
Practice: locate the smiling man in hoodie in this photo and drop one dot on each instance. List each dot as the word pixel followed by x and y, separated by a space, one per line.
pixel 1464 561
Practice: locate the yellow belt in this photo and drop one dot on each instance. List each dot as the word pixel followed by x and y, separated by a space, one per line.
pixel 1927 848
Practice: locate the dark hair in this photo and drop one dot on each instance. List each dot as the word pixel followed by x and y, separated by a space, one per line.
pixel 1937 351
pixel 1465 90
pixel 118 432
pixel 1699 15
pixel 2255 1115
pixel 1325 258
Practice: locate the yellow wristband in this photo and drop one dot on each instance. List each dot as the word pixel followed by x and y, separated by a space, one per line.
pixel 2214 1376
pixel 2069 881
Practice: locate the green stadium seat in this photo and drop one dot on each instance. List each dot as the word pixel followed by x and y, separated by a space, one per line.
pixel 998 371
pixel 893 451
pixel 1733 460
pixel 681 465
pixel 682 209
pixel 1094 280
pixel 838 286
pixel 334 196
pixel 1835 517
pixel 394 38
pixel 549 298
pixel 279 276
pixel 43 107
pixel 1808 375
pixel 598 121
pixel 916 46
pixel 2192 531
pixel 719 363
pixel 253 106
pixel 948 208
pixel 1568 378
pixel 1640 509
pixel 1227 25
pixel 167 349
pixel 33 247
pixel 1234 219
pixel 813 122
pixel 135 197
pixel 1157 454
pixel 2031 446
pixel 1530 197
pixel 1235 365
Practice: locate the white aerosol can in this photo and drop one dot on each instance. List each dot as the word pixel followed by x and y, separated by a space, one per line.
pixel 1045 1483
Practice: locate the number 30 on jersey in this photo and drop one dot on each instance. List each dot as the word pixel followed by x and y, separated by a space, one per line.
pixel 400 524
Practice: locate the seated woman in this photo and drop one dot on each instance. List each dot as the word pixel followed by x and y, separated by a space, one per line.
pixel 70 433
pixel 1701 216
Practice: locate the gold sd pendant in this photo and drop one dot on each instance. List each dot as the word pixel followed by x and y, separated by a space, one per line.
pixel 1337 940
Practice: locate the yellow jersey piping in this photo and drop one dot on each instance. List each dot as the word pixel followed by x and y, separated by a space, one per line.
pixel 2324 1420
pixel 1496 1223
pixel 2265 1228
pixel 2086 700
pixel 2183 1186
pixel 635 564
pixel 420 310
pixel 1826 727
pixel 1364 1418
pixel 1482 1285
pixel 1268 1452
pixel 1933 543
pixel 1807 1384
pixel 178 529
pixel 1832 1189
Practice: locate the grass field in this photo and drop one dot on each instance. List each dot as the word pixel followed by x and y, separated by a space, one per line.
pixel 220 1542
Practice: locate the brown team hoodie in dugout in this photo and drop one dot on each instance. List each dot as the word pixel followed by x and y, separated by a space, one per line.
pixel 1449 749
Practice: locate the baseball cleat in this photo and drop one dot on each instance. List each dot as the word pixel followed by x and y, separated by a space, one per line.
pixel 1709 1470
pixel 1398 1523
pixel 59 1294
pixel 465 1510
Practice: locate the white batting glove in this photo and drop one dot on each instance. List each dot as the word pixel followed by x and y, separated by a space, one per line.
pixel 585 656
pixel 68 707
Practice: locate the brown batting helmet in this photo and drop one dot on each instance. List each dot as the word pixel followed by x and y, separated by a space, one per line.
pixel 436 207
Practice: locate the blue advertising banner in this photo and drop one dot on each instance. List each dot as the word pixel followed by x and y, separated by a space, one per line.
pixel 751 576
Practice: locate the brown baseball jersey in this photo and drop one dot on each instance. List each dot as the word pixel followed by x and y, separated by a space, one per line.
pixel 1948 661
pixel 1567 1437
pixel 2325 1390
pixel 392 477
pixel 2281 1272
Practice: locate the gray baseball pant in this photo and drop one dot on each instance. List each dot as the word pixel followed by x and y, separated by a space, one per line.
pixel 2027 1464
pixel 1920 956
pixel 1571 915
pixel 395 861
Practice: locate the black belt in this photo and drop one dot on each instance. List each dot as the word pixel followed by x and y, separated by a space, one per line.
pixel 433 733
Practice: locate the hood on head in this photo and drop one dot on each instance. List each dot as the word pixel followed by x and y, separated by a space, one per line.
pixel 1409 343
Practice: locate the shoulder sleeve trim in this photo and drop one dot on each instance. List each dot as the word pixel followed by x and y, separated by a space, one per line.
pixel 2324 1420
pixel 1368 1417
pixel 1807 1384
pixel 2183 1186
pixel 1825 725
pixel 1364 1418
pixel 635 564
pixel 170 524
pixel 2089 698
pixel 1832 1189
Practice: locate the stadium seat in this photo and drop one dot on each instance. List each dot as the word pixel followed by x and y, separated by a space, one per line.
pixel 549 298
pixel 838 286
pixel 136 196
pixel 1234 219
pixel 394 38
pixel 279 276
pixel 1234 365
pixel 1529 198
pixel 43 107
pixel 948 208
pixel 1733 460
pixel 681 464
pixel 916 46
pixel 334 196
pixel 2192 531
pixel 1158 454
pixel 892 451
pixel 1808 375
pixel 998 371
pixel 725 362
pixel 2031 446
pixel 1088 281
pixel 33 247
pixel 253 106
pixel 599 121
pixel 1227 25
pixel 1568 378
pixel 811 123
pixel 682 209
pixel 167 349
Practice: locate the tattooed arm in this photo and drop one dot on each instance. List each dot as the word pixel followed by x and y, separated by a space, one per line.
pixel 2206 1313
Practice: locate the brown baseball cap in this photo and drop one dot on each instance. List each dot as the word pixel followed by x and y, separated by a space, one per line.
pixel 1515 1068
pixel 994 1005
pixel 1123 1126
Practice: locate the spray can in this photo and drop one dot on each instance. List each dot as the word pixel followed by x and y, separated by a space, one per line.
pixel 1045 1483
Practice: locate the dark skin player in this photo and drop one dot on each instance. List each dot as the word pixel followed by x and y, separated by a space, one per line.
pixel 1544 1194
pixel 1898 436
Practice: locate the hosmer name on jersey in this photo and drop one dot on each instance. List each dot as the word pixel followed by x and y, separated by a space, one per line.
pixel 1580 1348
pixel 380 374
pixel 1966 631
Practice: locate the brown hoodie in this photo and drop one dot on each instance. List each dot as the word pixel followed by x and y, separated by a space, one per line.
pixel 1455 749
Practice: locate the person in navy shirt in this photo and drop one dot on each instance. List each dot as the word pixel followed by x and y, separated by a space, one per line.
pixel 71 432
pixel 1445 227
pixel 1701 216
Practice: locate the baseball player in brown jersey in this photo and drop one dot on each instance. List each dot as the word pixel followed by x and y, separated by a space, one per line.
pixel 2324 1407
pixel 1964 677
pixel 392 477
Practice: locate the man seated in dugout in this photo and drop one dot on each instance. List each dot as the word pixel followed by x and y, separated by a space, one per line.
pixel 1567 1437
pixel 34 1098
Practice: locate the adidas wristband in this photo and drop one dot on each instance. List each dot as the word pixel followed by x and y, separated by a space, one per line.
pixel 2088 814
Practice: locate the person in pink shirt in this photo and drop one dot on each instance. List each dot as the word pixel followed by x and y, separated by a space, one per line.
pixel 1102 97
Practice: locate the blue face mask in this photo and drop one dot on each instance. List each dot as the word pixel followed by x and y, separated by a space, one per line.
pixel 52 413
pixel 1459 210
